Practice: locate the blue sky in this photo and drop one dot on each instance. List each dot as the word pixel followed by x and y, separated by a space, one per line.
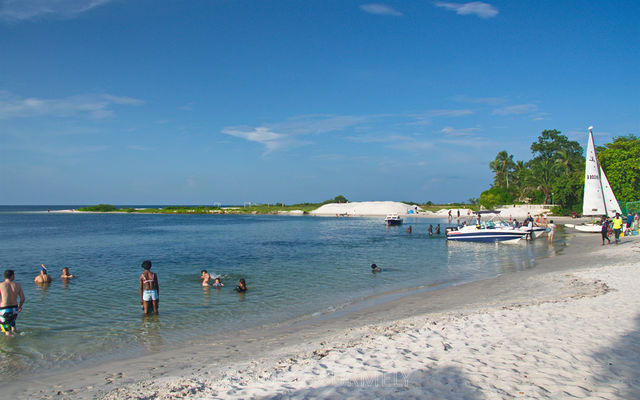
pixel 196 102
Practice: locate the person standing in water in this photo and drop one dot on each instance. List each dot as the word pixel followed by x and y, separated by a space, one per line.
pixel 66 274
pixel 552 231
pixel 430 230
pixel 438 229
pixel 242 286
pixel 9 308
pixel 149 288
pixel 206 277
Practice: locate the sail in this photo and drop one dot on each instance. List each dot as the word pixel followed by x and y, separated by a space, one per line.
pixel 609 198
pixel 593 201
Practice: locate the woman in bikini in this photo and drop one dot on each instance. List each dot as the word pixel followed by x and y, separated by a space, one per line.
pixel 149 288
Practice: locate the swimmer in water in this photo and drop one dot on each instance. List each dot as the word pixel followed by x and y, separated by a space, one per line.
pixel 242 286
pixel 374 269
pixel 205 276
pixel 430 230
pixel 217 283
pixel 43 278
pixel 66 274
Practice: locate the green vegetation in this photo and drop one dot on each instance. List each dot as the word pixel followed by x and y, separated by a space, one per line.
pixel 621 162
pixel 100 208
pixel 555 174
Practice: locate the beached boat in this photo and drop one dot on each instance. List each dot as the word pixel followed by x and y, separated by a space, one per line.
pixel 598 199
pixel 485 232
pixel 393 219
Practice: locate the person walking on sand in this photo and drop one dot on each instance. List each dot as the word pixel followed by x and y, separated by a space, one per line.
pixel 604 231
pixel 9 307
pixel 617 226
pixel 149 288
pixel 552 231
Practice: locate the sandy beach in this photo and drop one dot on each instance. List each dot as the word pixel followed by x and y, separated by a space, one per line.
pixel 567 328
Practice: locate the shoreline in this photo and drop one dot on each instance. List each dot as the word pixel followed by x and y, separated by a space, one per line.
pixel 202 369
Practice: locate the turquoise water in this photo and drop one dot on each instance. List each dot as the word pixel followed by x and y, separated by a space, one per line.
pixel 294 267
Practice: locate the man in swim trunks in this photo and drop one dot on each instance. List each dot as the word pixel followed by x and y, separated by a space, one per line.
pixel 149 288
pixel 9 308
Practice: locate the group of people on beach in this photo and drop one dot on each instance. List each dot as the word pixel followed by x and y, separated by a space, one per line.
pixel 616 224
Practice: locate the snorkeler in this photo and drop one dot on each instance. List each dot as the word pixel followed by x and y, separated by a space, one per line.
pixel 43 277
pixel 242 286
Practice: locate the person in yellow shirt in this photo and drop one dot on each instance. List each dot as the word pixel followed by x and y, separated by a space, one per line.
pixel 617 226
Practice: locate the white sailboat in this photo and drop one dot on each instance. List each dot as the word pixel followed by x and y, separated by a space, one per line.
pixel 598 197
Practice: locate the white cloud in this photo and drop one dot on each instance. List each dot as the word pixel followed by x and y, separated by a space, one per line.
pixel 478 8
pixel 271 140
pixel 380 9
pixel 516 110
pixel 453 132
pixel 491 101
pixel 19 10
pixel 93 106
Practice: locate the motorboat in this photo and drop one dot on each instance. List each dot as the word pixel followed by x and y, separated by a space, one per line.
pixel 493 230
pixel 393 219
pixel 485 232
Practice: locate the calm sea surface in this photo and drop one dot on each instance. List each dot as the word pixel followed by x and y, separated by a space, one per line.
pixel 294 267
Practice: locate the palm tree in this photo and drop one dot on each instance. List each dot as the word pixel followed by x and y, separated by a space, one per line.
pixel 503 167
pixel 542 177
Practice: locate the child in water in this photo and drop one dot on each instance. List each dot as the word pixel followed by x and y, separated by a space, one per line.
pixel 217 283
pixel 242 286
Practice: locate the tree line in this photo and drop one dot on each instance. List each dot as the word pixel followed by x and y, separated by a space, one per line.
pixel 555 173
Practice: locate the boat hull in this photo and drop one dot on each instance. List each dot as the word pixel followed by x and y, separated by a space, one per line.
pixel 484 236
pixel 394 222
pixel 589 228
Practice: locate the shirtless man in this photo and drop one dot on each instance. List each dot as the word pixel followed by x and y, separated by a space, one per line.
pixel 149 288
pixel 43 277
pixel 9 308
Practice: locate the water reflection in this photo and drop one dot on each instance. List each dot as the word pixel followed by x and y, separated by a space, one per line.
pixel 149 333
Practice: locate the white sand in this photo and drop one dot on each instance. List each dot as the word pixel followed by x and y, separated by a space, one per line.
pixel 364 208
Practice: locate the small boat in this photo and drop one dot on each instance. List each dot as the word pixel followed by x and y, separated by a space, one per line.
pixel 598 199
pixel 490 231
pixel 393 219
pixel 484 233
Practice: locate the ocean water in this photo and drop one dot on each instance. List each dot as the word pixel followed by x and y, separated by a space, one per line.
pixel 295 267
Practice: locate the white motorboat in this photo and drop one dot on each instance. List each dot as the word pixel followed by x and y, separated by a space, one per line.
pixel 393 219
pixel 490 231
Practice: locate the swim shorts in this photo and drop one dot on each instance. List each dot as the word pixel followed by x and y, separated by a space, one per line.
pixel 8 316
pixel 150 295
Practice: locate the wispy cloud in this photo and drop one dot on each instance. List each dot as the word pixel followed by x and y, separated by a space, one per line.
pixel 477 8
pixel 516 110
pixel 92 106
pixel 380 9
pixel 20 10
pixel 425 118
pixel 271 140
pixel 283 135
pixel 457 132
